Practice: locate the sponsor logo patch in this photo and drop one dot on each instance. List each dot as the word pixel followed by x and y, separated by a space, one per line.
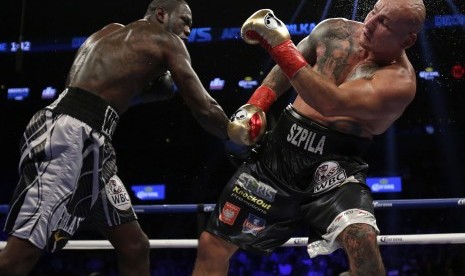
pixel 271 22
pixel 60 235
pixel 57 240
pixel 117 194
pixel 229 213
pixel 256 187
pixel 239 115
pixel 328 175
pixel 110 122
pixel 251 200
pixel 253 225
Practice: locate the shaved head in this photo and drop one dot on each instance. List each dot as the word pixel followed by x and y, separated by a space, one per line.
pixel 414 9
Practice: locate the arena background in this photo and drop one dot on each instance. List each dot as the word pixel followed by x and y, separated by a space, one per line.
pixel 162 143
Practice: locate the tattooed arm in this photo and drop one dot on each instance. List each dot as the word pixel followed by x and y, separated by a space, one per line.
pixel 344 83
pixel 276 79
pixel 333 48
pixel 329 49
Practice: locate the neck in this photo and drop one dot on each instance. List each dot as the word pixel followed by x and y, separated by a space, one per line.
pixel 382 59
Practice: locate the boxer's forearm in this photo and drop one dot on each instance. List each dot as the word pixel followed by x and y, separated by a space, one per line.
pixel 213 119
pixel 277 81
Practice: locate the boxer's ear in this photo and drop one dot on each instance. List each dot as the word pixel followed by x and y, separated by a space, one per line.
pixel 161 14
pixel 409 41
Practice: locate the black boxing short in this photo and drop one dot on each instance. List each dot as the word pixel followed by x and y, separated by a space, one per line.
pixel 68 172
pixel 304 175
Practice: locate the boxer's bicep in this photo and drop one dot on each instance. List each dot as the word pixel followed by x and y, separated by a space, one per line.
pixel 186 79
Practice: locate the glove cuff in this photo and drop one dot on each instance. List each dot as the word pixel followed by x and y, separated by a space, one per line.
pixel 263 97
pixel 288 57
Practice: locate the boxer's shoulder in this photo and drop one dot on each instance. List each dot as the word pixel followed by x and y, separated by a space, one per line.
pixel 335 27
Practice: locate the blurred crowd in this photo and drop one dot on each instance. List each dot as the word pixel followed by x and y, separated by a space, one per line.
pixel 400 260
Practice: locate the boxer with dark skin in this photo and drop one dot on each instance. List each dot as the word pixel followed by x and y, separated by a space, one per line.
pixel 353 81
pixel 115 67
pixel 118 62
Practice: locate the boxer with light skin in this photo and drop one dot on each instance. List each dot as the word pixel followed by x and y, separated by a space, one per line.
pixel 353 81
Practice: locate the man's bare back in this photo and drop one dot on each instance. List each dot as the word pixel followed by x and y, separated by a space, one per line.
pixel 123 64
pixel 118 61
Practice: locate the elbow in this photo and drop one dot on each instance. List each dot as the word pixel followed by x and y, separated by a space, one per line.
pixel 200 114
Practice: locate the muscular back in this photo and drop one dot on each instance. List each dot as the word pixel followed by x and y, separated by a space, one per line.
pixel 356 96
pixel 118 61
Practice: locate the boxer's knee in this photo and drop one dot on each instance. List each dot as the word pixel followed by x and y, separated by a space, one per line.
pixel 10 267
pixel 212 247
pixel 358 234
pixel 360 243
pixel 213 254
pixel 130 242
pixel 18 257
pixel 137 248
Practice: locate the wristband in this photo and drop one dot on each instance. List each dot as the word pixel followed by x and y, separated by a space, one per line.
pixel 288 57
pixel 263 97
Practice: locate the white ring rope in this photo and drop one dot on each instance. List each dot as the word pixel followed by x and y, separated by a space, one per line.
pixel 208 207
pixel 449 238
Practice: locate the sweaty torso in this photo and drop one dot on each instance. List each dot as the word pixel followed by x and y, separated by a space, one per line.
pixel 338 57
pixel 119 61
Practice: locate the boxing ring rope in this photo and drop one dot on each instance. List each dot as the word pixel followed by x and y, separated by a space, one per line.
pixel 378 204
pixel 449 238
pixel 445 238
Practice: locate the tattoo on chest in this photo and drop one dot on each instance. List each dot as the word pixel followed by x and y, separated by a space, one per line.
pixel 362 71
